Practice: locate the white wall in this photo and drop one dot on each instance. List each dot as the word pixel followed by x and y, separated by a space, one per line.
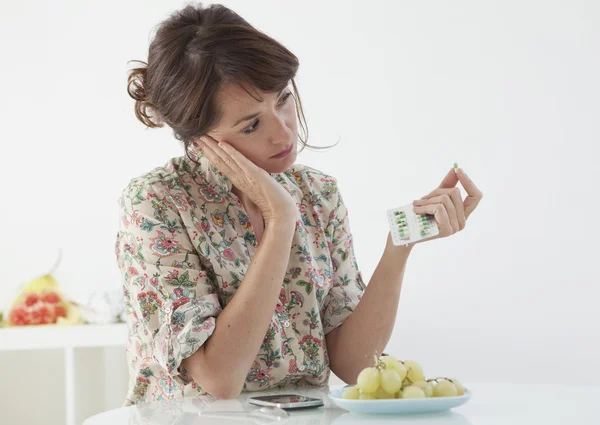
pixel 509 89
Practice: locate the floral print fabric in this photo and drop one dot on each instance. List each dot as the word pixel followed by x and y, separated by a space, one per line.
pixel 183 247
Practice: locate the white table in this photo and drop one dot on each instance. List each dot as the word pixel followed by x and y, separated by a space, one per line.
pixel 490 404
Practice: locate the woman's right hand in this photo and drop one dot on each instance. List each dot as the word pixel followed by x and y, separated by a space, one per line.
pixel 274 202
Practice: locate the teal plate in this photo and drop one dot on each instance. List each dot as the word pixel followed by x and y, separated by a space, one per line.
pixel 399 406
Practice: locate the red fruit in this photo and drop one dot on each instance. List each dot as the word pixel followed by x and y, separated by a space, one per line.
pixel 51 297
pixel 60 311
pixel 19 316
pixel 31 299
pixel 42 314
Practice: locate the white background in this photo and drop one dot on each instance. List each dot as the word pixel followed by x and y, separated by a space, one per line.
pixel 509 89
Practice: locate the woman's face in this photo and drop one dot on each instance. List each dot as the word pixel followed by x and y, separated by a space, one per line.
pixel 259 130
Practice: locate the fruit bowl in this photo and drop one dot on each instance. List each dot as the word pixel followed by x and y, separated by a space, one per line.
pixel 40 303
pixel 398 406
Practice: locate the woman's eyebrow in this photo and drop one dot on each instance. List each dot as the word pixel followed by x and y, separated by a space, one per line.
pixel 249 117
pixel 246 118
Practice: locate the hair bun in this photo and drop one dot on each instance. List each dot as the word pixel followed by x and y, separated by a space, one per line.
pixel 136 89
pixel 135 83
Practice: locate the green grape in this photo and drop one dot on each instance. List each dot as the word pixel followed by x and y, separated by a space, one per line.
pixel 382 394
pixel 389 361
pixel 351 393
pixel 429 392
pixel 390 381
pixel 426 387
pixel 392 362
pixel 402 371
pixel 365 396
pixel 444 388
pixel 415 371
pixel 412 392
pixel 460 390
pixel 369 380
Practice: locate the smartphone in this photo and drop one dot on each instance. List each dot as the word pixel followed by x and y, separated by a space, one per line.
pixel 286 401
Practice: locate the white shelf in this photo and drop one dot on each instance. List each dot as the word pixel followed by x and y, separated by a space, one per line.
pixel 44 337
pixel 66 337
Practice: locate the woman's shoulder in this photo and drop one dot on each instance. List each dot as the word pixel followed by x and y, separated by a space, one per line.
pixel 312 180
pixel 310 177
pixel 157 179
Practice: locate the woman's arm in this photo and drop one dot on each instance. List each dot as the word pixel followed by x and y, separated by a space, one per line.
pixel 222 363
pixel 373 319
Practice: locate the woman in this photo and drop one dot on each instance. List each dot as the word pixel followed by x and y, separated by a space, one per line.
pixel 238 265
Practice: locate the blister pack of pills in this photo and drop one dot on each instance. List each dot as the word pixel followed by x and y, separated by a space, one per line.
pixel 407 227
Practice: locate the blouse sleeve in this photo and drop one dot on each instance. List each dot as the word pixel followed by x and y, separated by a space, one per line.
pixel 348 285
pixel 168 297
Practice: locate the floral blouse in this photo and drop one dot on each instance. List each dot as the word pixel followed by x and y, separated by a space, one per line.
pixel 183 247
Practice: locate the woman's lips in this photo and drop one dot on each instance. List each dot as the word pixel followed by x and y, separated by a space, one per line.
pixel 284 153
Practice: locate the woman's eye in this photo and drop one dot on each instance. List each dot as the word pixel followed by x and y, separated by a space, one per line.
pixel 254 126
pixel 285 98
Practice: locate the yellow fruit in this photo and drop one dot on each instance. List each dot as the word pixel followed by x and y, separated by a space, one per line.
pixel 369 380
pixel 460 390
pixel 392 362
pixel 414 371
pixel 382 394
pixel 444 388
pixel 351 393
pixel 390 381
pixel 426 387
pixel 364 396
pixel 412 392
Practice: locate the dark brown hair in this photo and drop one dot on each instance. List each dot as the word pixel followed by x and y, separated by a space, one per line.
pixel 197 50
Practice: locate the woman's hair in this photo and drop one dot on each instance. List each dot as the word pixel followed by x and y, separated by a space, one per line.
pixel 193 54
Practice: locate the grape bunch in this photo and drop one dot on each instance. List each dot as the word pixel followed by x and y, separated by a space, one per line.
pixel 392 378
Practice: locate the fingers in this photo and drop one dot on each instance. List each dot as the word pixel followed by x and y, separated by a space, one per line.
pixel 450 180
pixel 242 161
pixel 455 198
pixel 219 157
pixel 440 214
pixel 474 195
pixel 448 204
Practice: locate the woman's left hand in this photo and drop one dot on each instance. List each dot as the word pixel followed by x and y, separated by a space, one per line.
pixel 446 205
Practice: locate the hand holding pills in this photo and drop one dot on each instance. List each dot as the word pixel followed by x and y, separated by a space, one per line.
pixel 445 203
